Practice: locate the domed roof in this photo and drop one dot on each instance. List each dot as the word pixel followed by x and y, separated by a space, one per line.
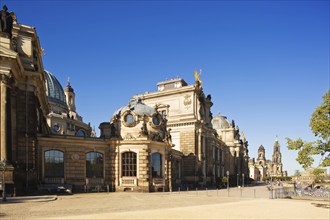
pixel 68 87
pixel 138 108
pixel 220 122
pixel 54 92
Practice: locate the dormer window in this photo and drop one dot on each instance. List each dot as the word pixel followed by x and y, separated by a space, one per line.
pixel 56 128
pixel 155 120
pixel 129 119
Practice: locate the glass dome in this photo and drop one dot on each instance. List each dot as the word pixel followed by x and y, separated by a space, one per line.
pixel 54 90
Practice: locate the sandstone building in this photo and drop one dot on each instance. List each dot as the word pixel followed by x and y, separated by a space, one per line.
pixel 262 168
pixel 158 142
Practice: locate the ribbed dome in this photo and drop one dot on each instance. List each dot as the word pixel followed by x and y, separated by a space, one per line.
pixel 138 108
pixel 54 92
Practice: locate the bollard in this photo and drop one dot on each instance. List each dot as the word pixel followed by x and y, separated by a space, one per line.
pixel 271 193
pixel 108 188
pixel 254 191
pixel 187 190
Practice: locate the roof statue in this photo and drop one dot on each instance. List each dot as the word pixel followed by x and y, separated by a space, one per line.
pixel 6 21
pixel 197 77
pixel 243 136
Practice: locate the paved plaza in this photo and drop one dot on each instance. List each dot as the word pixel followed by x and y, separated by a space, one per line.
pixel 248 203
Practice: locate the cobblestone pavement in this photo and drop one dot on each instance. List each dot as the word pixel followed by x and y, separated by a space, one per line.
pixel 247 203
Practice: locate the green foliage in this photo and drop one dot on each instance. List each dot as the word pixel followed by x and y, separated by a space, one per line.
pixel 275 178
pixel 317 171
pixel 285 178
pixel 224 180
pixel 320 121
pixel 320 125
pixel 265 178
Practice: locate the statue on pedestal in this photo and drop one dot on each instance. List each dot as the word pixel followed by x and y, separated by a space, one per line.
pixel 6 21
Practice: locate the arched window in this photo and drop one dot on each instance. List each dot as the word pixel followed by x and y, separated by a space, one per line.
pixel 54 163
pixel 156 165
pixel 80 133
pixel 128 164
pixel 94 165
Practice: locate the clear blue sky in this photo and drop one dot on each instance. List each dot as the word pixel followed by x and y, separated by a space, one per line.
pixel 265 63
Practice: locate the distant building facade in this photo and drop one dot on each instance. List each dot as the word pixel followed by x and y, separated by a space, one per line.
pixel 307 177
pixel 157 142
pixel 261 167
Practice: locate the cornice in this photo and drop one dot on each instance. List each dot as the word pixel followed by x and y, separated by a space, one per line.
pixel 157 94
pixel 72 140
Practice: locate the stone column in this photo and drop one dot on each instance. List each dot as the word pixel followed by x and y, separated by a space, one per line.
pixel 170 161
pixel 3 124
pixel 199 144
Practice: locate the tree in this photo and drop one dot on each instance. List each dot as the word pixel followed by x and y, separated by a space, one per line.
pixel 317 172
pixel 320 126
pixel 224 180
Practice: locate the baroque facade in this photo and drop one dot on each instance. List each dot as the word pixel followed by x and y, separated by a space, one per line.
pixel 262 168
pixel 208 149
pixel 157 142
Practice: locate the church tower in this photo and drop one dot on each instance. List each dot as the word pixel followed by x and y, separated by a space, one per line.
pixel 277 160
pixel 261 156
pixel 70 98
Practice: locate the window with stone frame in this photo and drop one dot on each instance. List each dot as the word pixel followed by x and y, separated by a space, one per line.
pixel 81 133
pixel 54 163
pixel 156 165
pixel 128 164
pixel 94 165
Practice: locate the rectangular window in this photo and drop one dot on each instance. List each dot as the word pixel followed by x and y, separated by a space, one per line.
pixel 54 163
pixel 94 165
pixel 128 164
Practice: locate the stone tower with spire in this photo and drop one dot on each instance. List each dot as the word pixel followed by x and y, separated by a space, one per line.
pixel 261 156
pixel 70 97
pixel 277 160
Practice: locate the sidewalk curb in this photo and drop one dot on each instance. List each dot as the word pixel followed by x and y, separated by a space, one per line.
pixel 310 198
pixel 26 199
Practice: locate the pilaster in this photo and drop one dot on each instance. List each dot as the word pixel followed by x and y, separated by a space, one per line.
pixel 3 125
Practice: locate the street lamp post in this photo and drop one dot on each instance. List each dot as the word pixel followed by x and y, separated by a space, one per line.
pixel 3 164
pixel 227 179
pixel 243 180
